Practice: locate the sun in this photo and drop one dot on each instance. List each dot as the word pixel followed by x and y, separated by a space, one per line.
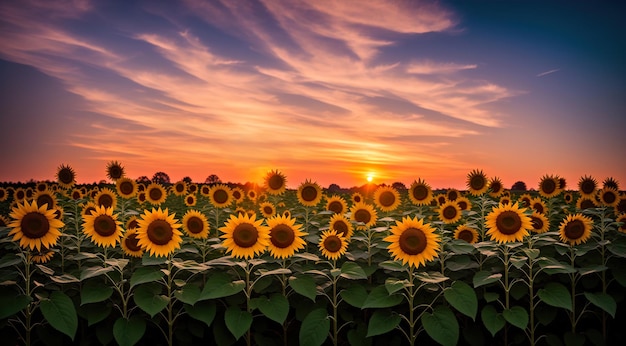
pixel 370 177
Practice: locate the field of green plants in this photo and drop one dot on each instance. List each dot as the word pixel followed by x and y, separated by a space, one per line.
pixel 150 263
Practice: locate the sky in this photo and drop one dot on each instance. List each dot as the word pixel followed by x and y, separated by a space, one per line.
pixel 330 91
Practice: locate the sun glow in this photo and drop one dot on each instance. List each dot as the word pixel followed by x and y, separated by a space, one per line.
pixel 370 177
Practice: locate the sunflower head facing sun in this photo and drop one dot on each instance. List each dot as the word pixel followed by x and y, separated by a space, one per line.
pixel 309 193
pixel 244 236
pixel 420 193
pixel 196 224
pixel 342 225
pixel 466 233
pixel 220 196
pixel 106 198
pixel 387 198
pixel 575 229
pixel 285 236
pixel 449 212
pixel 364 215
pixel 332 244
pixel 158 232
pixel 413 242
pixel 66 177
pixel 508 223
pixel 130 244
pixel 126 187
pixel 477 182
pixel 336 204
pixel 35 227
pixel 155 194
pixel 102 227
pixel 549 186
pixel 114 170
pixel 275 182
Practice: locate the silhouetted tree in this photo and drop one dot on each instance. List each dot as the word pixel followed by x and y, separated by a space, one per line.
pixel 143 180
pixel 212 179
pixel 333 188
pixel 187 180
pixel 519 186
pixel 161 178
pixel 398 186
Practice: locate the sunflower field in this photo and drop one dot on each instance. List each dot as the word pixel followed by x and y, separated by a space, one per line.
pixel 224 264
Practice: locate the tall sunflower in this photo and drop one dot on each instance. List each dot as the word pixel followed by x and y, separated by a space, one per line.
pixel 332 244
pixel 608 197
pixel 464 203
pixel 238 194
pixel 155 194
pixel 452 194
pixel 342 225
pixel 495 187
pixel 267 209
pixel 158 232
pixel 386 198
pixel 337 204
pixel 130 243
pixel 41 256
pixel 126 187
pixel 252 195
pixel 508 223
pixel 610 183
pixel 585 203
pixel 575 229
pixel 45 197
pixel 275 182
pixel 357 198
pixel 539 205
pixel 477 182
pixel 106 197
pixel 76 194
pixel 66 177
pixel 141 197
pixel 285 236
pixel 132 222
pixel 420 193
pixel 549 186
pixel 35 227
pixel 88 208
pixel 196 224
pixel 19 194
pixel 539 222
pixel 587 186
pixel 449 212
pixel 464 232
pixel 413 242
pixel 309 194
pixel 244 236
pixel 220 196
pixel 179 188
pixel 102 227
pixel 190 200
pixel 364 214
pixel 114 170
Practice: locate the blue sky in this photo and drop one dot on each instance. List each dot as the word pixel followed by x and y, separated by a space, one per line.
pixel 328 90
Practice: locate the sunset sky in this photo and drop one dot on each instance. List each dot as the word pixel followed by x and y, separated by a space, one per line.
pixel 324 90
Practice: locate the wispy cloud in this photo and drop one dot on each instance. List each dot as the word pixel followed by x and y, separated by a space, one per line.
pixel 547 72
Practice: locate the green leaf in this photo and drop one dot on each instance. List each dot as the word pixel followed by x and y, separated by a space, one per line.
pixel 352 271
pixel 96 314
pixel 394 285
pixel 202 311
pixel 279 271
pixel 516 316
pixel 128 332
pixel 315 327
pixel 491 296
pixel 91 272
pixel 276 307
pixel 304 285
pixel 9 259
pixel 431 277
pixel 148 260
pixel 11 302
pixel 394 266
pixel 618 248
pixel 354 295
pixel 220 285
pixel 463 298
pixel 555 294
pixel 380 298
pixel 188 294
pixel 551 266
pixel 60 312
pixel 381 322
pixel 492 320
pixel 94 291
pixel 460 247
pixel 237 321
pixel 531 253
pixel 145 274
pixel 603 301
pixel 442 325
pixel 485 277
pixel 149 298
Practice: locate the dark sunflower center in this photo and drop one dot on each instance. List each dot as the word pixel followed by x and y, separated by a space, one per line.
pixel 413 241
pixel 20 195
pixel 568 198
pixel 505 201
pixel 237 194
pixel 195 225
pixel 180 188
pixel 462 205
pixel 477 182
pixel 538 207
pixel 189 200
pixel 341 228
pixel 536 222
pixel 155 194
pixel 76 195
pixel 335 207
pixel 332 243
pixel 357 199
pixel 66 176
pixel 362 215
pixel 453 195
pixel 608 197
pixel 466 235
pixel 587 186
pixel 141 197
pixel 420 192
pixel 245 235
pixel 45 199
pixel 104 225
pixel 268 210
pixel 525 202
pixel 160 232
pixel 116 172
pixel 252 194
pixel 508 222
pixel 282 236
pixel 449 212
pixel 387 199
pixel 220 196
pixel 89 210
pixel 548 186
pixel 496 187
pixel 586 204
pixel 309 193
pixel 205 190
pixel 105 200
pixel 275 182
pixel 126 188
pixel 133 224
pixel 441 199
pixel 35 225
pixel 132 243
pixel 574 229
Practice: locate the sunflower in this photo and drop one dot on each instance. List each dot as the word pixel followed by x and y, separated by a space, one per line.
pixel 4 222
pixel 35 227
pixel 464 203
pixel 4 194
pixel 386 198
pixel 76 194
pixel 568 198
pixel 452 194
pixel 420 193
pixel 286 213
pixel 285 236
pixel 267 209
pixel 539 222
pixel 205 190
pixel 114 170
pixel 549 186
pixel 364 214
pixel 508 223
pixel 141 197
pixel 29 193
pixel 126 188
pixel 130 243
pixel 585 203
pixel 190 200
pixel 356 197
pixel 477 182
pixel 45 197
pixel 495 187
pixel 58 212
pixel 275 182
pixel 220 196
pixel 342 225
pixel 309 194
pixel 332 244
pixel 106 197
pixel 196 224
pixel 158 232
pixel 587 186
pixel 155 193
pixel 621 205
pixel 238 194
pixel 575 229
pixel 449 212
pixel 244 236
pixel 610 183
pixel 192 188
pixel 336 204
pixel 441 199
pixel 252 195
pixel 66 177
pixel 539 205
pixel 466 233
pixel 88 208
pixel 41 256
pixel 132 222
pixel 621 219
pixel 42 186
pixel 179 188
pixel 505 200
pixel 608 197
pixel 19 194
pixel 102 227
pixel 413 242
